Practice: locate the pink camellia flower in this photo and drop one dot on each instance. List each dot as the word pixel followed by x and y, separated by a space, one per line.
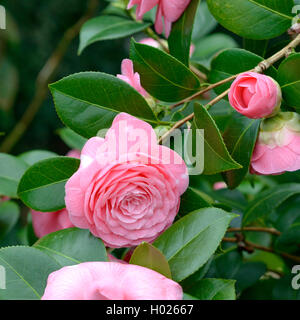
pixel 47 222
pixel 127 188
pixel 255 95
pixel 153 43
pixel 133 78
pixel 168 10
pixel 110 281
pixel 150 42
pixel 278 146
pixel 220 185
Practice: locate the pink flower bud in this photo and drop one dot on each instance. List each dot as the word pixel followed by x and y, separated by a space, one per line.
pixel 110 281
pixel 131 78
pixel 255 95
pixel 278 146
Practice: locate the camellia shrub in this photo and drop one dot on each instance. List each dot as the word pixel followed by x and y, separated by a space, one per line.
pixel 182 181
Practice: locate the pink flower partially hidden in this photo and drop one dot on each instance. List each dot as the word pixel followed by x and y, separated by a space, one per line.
pixel 168 11
pixel 47 222
pixel 278 146
pixel 127 189
pixel 133 78
pixel 110 281
pixel 255 95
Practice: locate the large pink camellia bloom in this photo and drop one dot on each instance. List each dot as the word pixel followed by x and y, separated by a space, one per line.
pixel 47 222
pixel 127 188
pixel 133 78
pixel 255 95
pixel 110 281
pixel 168 11
pixel 278 146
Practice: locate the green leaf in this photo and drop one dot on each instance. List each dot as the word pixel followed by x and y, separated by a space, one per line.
pixel 32 157
pixel 9 215
pixel 233 61
pixel 89 101
pixel 216 156
pixel 180 38
pixel 253 19
pixel 72 246
pixel 42 187
pixel 290 237
pixel 71 138
pixel 214 289
pixel 269 200
pixel 206 48
pixel 163 76
pixel 191 241
pixel 108 28
pixel 11 171
pixel 192 200
pixel 240 138
pixel 26 270
pixel 147 256
pixel 289 80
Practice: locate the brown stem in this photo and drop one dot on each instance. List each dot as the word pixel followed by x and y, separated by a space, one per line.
pixel 250 246
pixel 44 77
pixel 191 116
pixel 255 229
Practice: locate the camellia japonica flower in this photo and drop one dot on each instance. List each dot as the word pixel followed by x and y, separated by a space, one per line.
pixel 255 95
pixel 168 11
pixel 47 222
pixel 127 188
pixel 110 281
pixel 133 78
pixel 278 146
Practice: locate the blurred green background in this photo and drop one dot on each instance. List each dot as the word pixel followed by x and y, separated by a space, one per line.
pixel 34 28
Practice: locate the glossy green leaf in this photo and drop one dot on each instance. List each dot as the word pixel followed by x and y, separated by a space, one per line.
pixel 192 200
pixel 240 138
pixel 72 246
pixel 11 171
pixel 253 19
pixel 71 138
pixel 9 215
pixel 269 200
pixel 42 187
pixel 108 28
pixel 233 61
pixel 163 76
pixel 89 101
pixel 147 256
pixel 192 240
pixel 214 289
pixel 180 38
pixel 289 80
pixel 26 272
pixel 216 156
pixel 290 237
pixel 34 156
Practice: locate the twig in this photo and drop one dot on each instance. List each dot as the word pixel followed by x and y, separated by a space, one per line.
pixel 261 67
pixel 191 116
pixel 255 229
pixel 44 78
pixel 250 247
